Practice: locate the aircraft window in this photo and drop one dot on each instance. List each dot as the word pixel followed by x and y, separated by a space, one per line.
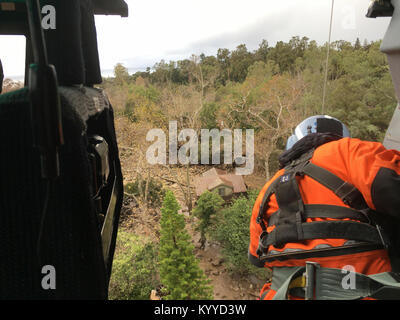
pixel 12 56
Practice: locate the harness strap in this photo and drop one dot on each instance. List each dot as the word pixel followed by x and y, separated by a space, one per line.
pixel 335 284
pixel 349 194
pixel 264 204
pixel 289 220
pixel 324 211
pixel 326 230
pixel 291 208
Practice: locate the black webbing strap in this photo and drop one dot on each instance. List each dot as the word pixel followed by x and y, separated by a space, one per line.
pixel 329 230
pixel 325 211
pixel 291 208
pixel 294 167
pixel 264 204
pixel 349 194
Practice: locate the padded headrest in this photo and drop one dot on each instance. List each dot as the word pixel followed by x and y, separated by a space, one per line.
pixel 72 46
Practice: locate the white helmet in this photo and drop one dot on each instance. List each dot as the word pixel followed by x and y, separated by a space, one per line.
pixel 318 124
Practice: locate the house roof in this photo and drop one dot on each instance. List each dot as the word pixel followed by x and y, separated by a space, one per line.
pixel 215 178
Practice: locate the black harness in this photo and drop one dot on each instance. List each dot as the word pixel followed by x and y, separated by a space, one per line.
pixel 290 220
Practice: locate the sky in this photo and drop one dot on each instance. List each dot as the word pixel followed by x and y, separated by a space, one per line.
pixel 176 29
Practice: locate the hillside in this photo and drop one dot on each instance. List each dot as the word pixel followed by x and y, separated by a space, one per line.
pixel 268 91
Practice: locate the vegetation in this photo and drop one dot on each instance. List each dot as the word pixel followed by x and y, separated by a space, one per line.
pixel 150 190
pixel 208 205
pixel 134 268
pixel 180 273
pixel 270 90
pixel 232 231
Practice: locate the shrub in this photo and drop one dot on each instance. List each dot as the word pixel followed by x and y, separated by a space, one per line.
pixel 134 272
pixel 208 205
pixel 155 192
pixel 232 230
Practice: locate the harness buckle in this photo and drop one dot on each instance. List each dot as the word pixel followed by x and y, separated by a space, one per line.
pixel 310 275
pixel 262 249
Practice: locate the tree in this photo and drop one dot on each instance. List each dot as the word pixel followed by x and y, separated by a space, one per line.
pixel 261 53
pixel 241 60
pixel 208 205
pixel 121 74
pixel 266 104
pixel 357 45
pixel 179 269
pixel 224 63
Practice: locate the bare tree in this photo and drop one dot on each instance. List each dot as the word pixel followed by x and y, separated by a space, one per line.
pixel 271 108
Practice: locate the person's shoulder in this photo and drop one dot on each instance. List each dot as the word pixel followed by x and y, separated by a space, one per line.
pixel 350 144
pixel 349 149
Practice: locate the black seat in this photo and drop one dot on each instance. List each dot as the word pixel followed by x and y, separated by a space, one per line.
pixel 74 240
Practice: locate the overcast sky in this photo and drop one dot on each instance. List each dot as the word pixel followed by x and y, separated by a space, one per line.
pixel 175 29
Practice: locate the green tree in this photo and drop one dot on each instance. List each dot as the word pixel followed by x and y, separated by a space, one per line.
pixel 357 45
pixel 224 64
pixel 261 53
pixel 208 205
pixel 179 269
pixel 241 60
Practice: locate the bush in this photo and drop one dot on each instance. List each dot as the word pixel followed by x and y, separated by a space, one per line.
pixel 232 230
pixel 134 272
pixel 155 190
pixel 208 205
pixel 208 116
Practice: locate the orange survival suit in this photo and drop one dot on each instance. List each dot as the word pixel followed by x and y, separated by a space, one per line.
pixel 326 208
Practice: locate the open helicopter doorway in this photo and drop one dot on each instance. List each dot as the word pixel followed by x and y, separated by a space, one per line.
pixel 12 62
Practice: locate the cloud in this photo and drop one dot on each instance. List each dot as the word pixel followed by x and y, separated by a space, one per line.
pixel 176 29
pixel 349 24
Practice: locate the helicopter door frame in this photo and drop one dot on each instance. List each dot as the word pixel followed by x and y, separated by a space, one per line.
pixel 391 46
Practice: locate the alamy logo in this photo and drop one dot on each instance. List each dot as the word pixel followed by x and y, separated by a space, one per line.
pixel 49 280
pixel 349 280
pixel 189 152
pixel 49 17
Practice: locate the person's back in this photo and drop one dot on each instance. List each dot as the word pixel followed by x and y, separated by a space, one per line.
pixel 293 225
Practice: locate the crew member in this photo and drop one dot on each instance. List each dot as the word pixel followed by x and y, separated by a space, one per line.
pixel 325 223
